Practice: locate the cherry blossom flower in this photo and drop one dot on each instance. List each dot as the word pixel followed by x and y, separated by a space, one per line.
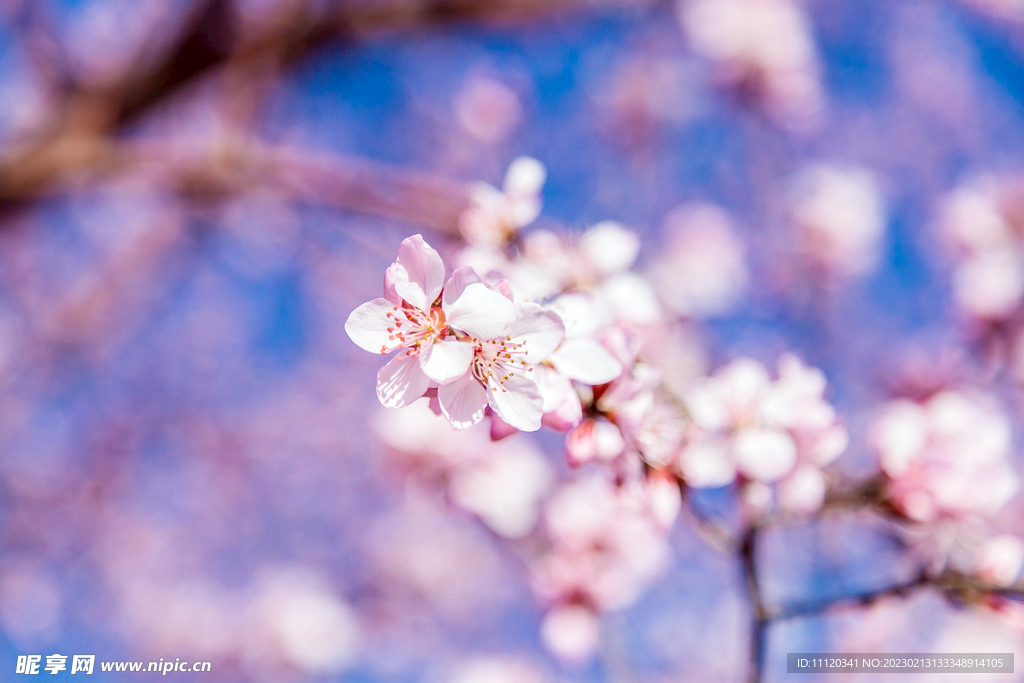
pixel 980 220
pixel 945 457
pixel 597 263
pixel 487 109
pixel 607 544
pixel 499 373
pixel 501 482
pixel 839 218
pixel 494 216
pixel 702 270
pixel 999 560
pixel 744 424
pixel 408 320
pixel 764 46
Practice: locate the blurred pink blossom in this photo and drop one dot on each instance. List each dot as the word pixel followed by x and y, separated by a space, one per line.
pixel 764 46
pixel 947 456
pixel 839 218
pixel 745 424
pixel 494 216
pixel 702 270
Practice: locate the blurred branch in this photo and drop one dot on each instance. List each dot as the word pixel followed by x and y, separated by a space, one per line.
pixel 759 625
pixel 77 139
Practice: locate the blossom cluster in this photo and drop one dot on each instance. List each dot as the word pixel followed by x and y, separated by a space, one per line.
pixel 540 328
pixel 764 431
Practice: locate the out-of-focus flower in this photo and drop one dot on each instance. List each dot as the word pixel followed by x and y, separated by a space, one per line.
pixel 501 482
pixel 315 630
pixel 494 216
pixel 487 109
pixel 839 218
pixel 571 632
pixel 407 319
pixel 745 424
pixel 607 544
pixel 946 457
pixel 982 219
pixel 597 263
pixel 762 46
pixel 646 91
pixel 702 270
pixel 999 560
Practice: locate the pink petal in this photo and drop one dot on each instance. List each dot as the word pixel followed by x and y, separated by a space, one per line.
pixel 401 382
pixel 368 326
pixel 764 454
pixel 463 401
pixel 463 277
pixel 519 405
pixel 554 387
pixel 803 490
pixel 705 463
pixel 610 247
pixel 523 182
pixel 567 416
pixel 446 361
pixel 571 633
pixel 584 360
pixel 419 275
pixel 500 429
pixel 539 331
pixel 390 293
pixel 480 312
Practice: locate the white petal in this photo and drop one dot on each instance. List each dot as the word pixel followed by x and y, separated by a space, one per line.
pixel 764 454
pixel 446 361
pixel 390 293
pixel 584 360
pixel 580 313
pixel 610 247
pixel 705 463
pixel 525 175
pixel 419 276
pixel 554 387
pixel 463 401
pixel 523 182
pixel 401 382
pixel 368 326
pixel 463 277
pixel 631 299
pixel 481 312
pixel 539 330
pixel 517 401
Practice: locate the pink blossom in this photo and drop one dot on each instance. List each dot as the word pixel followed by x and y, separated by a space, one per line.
pixel 977 221
pixel 502 483
pixel 408 320
pixel 839 218
pixel 487 109
pixel 762 45
pixel 499 371
pixel 593 440
pixel 571 632
pixel 946 457
pixel 745 424
pixel 999 560
pixel 607 543
pixel 494 216
pixel 702 270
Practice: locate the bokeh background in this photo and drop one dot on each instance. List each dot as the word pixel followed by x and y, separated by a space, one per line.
pixel 196 193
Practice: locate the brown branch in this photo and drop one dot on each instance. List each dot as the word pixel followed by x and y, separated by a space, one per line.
pixel 760 620
pixel 78 136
